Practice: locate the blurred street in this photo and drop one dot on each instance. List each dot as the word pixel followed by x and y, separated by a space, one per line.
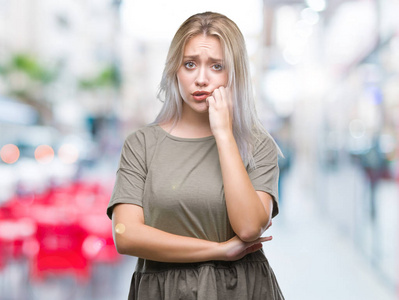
pixel 76 77
pixel 314 259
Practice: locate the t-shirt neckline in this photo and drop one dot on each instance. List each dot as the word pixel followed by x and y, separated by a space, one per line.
pixel 182 139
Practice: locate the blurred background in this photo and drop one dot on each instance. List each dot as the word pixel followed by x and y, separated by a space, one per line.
pixel 77 76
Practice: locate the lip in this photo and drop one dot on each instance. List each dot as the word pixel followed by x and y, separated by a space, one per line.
pixel 200 95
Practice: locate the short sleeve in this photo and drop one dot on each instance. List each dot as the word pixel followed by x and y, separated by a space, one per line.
pixel 131 174
pixel 264 176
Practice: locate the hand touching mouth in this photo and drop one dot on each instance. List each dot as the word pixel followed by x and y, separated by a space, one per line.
pixel 200 95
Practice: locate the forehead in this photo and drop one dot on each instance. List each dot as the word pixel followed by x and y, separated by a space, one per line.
pixel 202 44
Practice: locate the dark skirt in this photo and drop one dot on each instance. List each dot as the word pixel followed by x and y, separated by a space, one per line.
pixel 248 278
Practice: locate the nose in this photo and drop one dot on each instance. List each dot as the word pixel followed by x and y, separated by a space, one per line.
pixel 202 78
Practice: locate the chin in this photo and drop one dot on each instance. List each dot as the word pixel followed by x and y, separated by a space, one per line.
pixel 202 110
pixel 200 107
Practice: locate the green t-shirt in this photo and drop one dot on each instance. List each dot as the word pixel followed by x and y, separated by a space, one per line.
pixel 178 182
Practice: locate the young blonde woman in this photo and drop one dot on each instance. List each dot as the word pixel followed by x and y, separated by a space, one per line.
pixel 196 189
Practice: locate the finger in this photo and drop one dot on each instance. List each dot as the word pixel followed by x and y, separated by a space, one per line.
pixel 210 101
pixel 223 92
pixel 226 95
pixel 258 242
pixel 217 95
pixel 265 239
pixel 254 248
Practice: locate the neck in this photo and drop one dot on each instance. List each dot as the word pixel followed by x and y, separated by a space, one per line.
pixel 191 125
pixel 195 119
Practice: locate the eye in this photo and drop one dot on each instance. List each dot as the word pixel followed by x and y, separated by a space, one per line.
pixel 217 67
pixel 189 65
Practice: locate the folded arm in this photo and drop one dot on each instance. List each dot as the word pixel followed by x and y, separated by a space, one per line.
pixel 249 211
pixel 133 237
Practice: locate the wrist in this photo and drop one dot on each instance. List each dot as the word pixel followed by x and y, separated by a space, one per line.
pixel 220 251
pixel 224 136
pixel 215 251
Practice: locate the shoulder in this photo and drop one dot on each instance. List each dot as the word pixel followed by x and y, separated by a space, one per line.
pixel 139 145
pixel 264 141
pixel 144 136
pixel 265 148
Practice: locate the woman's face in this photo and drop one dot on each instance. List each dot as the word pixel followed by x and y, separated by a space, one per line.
pixel 202 72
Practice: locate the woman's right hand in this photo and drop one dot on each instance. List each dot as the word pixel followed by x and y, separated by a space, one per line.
pixel 235 248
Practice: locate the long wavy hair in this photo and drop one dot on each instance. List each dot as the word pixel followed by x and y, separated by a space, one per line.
pixel 246 124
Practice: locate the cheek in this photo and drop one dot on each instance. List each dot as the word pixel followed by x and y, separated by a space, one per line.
pixel 182 88
pixel 222 79
pixel 225 80
pixel 182 81
pixel 180 85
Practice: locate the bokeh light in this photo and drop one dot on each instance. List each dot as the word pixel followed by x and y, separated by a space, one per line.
pixel 68 153
pixel 92 245
pixel 9 153
pixel 44 154
pixel 310 16
pixel 357 128
pixel 317 5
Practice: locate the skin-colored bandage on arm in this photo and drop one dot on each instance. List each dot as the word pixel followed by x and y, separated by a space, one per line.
pixel 120 228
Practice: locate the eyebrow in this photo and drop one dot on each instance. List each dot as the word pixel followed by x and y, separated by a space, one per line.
pixel 195 57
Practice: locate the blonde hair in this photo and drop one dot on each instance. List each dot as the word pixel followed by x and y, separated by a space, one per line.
pixel 246 124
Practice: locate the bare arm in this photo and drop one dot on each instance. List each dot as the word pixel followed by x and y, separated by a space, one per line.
pixel 133 237
pixel 249 211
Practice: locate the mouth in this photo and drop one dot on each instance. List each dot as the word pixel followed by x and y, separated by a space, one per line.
pixel 200 95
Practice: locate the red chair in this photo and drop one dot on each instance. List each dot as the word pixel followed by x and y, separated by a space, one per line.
pixel 13 235
pixel 60 252
pixel 99 246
